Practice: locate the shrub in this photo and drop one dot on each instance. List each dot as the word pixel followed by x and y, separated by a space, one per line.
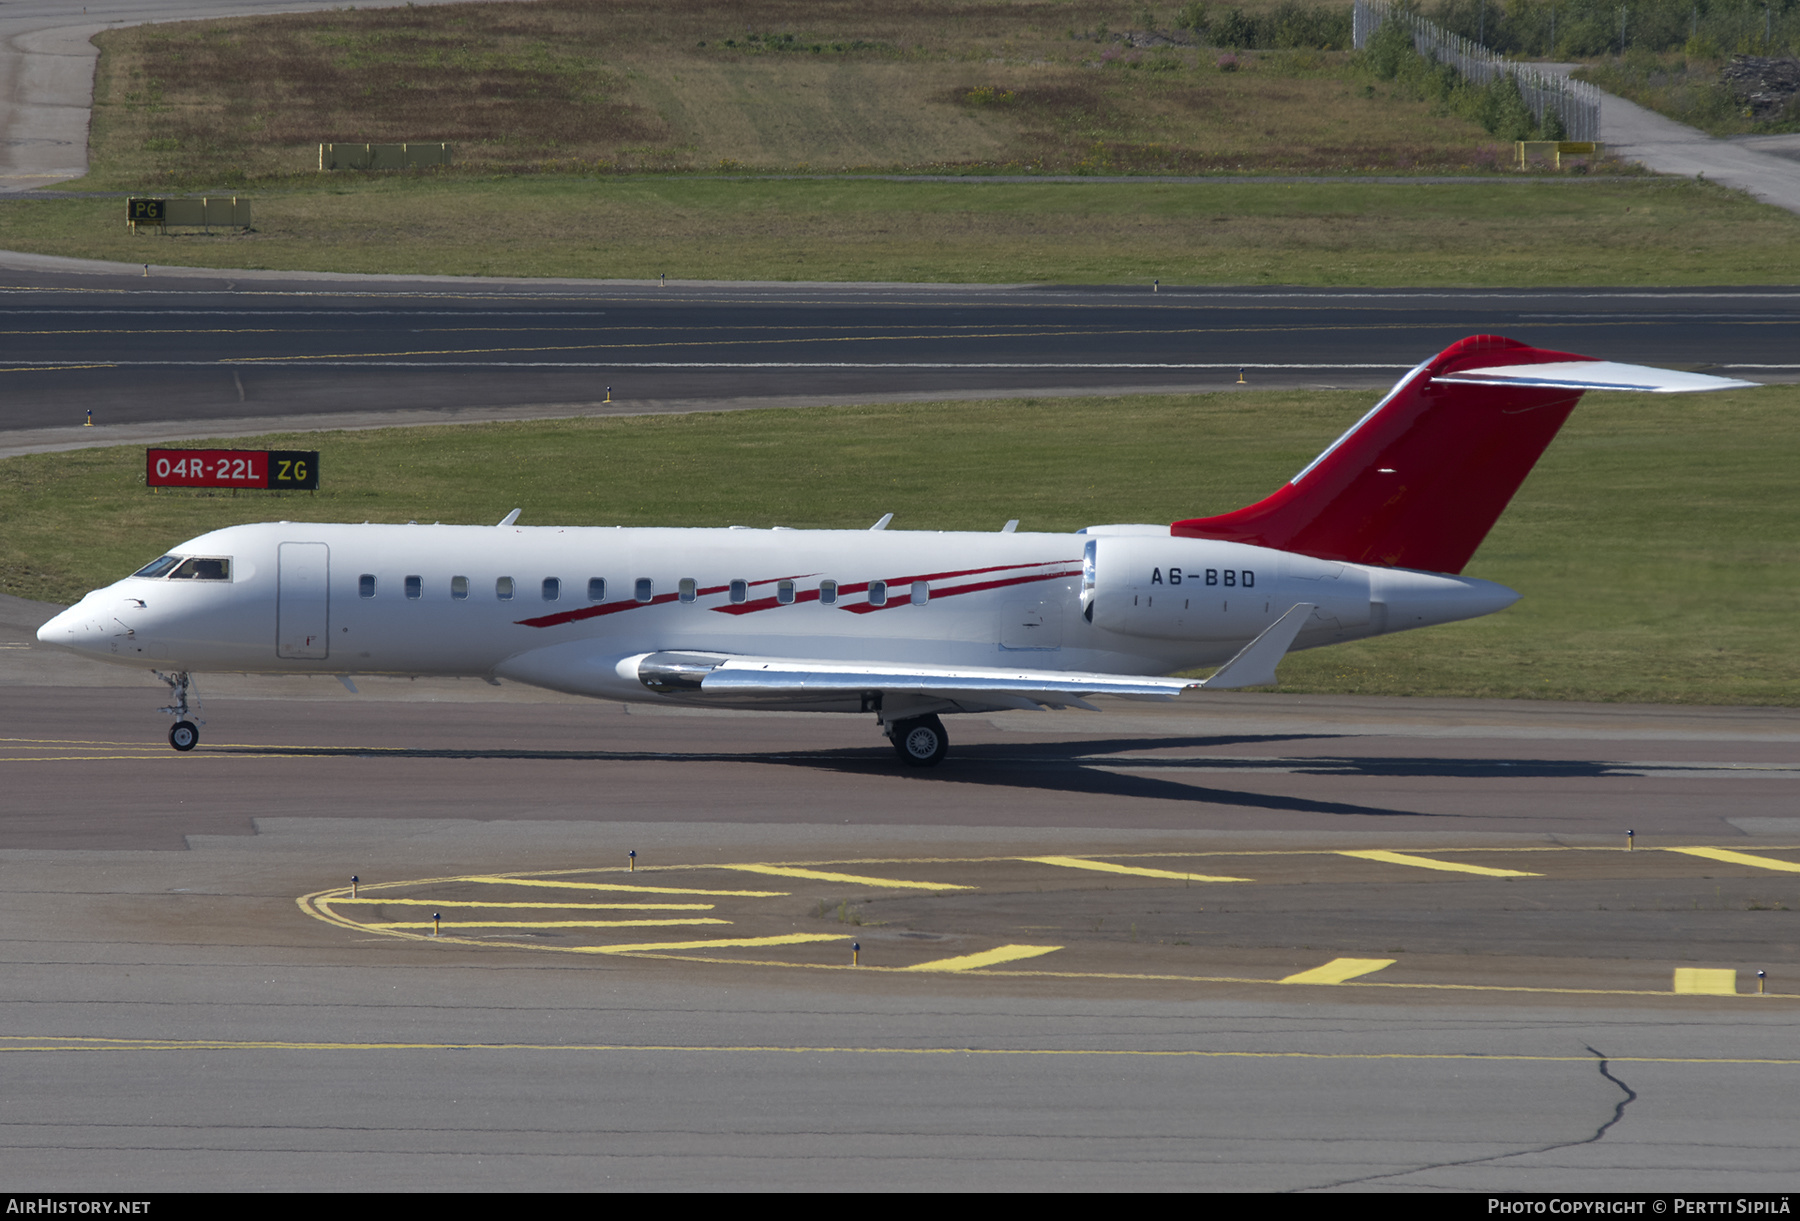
pixel 1503 112
pixel 1389 49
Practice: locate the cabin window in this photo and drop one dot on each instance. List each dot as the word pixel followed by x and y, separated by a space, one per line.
pixel 687 589
pixel 459 588
pixel 503 589
pixel 921 592
pixel 202 570
pixel 596 589
pixel 827 593
pixel 552 588
pixel 365 585
pixel 415 586
pixel 784 592
pixel 644 590
pixel 740 592
pixel 877 593
pixel 158 568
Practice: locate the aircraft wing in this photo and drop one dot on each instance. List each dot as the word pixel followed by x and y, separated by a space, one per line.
pixel 730 675
pixel 799 677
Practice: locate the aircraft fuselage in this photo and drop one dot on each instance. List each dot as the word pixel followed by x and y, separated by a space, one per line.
pixel 563 607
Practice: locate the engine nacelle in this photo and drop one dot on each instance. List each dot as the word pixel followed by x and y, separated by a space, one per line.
pixel 1169 588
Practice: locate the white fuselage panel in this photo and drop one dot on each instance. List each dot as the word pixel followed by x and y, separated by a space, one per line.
pixel 560 607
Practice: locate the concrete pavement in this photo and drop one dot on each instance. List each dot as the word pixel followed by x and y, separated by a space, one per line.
pixel 1661 144
pixel 1768 167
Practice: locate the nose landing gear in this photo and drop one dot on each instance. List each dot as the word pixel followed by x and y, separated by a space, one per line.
pixel 184 735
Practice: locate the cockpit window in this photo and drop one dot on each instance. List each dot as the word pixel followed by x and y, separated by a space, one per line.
pixel 181 568
pixel 198 569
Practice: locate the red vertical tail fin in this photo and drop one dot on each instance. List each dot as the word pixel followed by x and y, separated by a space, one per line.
pixel 1419 481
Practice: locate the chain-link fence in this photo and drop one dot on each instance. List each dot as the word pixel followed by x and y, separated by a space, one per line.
pixel 1576 103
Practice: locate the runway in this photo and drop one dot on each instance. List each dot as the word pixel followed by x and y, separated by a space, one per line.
pixel 203 353
pixel 1256 943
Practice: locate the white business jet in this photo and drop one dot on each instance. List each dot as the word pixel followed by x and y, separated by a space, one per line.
pixel 905 625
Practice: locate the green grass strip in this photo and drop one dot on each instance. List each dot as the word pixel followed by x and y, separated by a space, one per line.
pixel 1518 234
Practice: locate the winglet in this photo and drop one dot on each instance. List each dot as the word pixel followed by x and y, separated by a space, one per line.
pixel 882 524
pixel 510 518
pixel 1254 666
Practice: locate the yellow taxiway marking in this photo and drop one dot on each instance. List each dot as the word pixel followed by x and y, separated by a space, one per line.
pixel 1338 970
pixel 1160 977
pixel 1739 858
pixel 988 958
pixel 649 890
pixel 610 907
pixel 1704 981
pixel 66 1043
pixel 720 944
pixel 1075 862
pixel 854 879
pixel 683 951
pixel 1425 862
pixel 455 924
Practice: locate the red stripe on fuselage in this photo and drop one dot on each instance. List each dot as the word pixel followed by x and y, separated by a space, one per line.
pixel 803 595
pixel 605 608
pixel 762 604
pixel 866 607
pixel 964 572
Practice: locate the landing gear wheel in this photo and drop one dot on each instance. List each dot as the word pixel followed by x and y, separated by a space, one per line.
pixel 183 735
pixel 920 742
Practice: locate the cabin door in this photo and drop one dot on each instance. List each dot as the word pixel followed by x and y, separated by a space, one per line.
pixel 303 602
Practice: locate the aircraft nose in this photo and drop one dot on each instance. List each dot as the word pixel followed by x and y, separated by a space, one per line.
pixel 75 628
pixel 60 628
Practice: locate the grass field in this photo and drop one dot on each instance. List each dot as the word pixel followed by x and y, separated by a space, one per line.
pixel 1645 232
pixel 612 141
pixel 1656 543
pixel 563 85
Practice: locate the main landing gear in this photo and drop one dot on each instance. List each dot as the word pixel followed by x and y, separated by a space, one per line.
pixel 919 741
pixel 184 735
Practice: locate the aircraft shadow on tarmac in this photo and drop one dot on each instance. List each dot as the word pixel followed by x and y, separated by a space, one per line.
pixel 1100 768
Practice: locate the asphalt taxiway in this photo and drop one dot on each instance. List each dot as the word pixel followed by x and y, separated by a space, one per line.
pixel 1248 942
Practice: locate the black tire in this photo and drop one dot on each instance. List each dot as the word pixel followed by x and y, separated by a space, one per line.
pixel 184 735
pixel 921 741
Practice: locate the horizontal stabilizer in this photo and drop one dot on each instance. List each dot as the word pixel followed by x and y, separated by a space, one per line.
pixel 1592 375
pixel 1254 666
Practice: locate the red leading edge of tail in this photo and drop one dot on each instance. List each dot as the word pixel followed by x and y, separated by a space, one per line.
pixel 1419 481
